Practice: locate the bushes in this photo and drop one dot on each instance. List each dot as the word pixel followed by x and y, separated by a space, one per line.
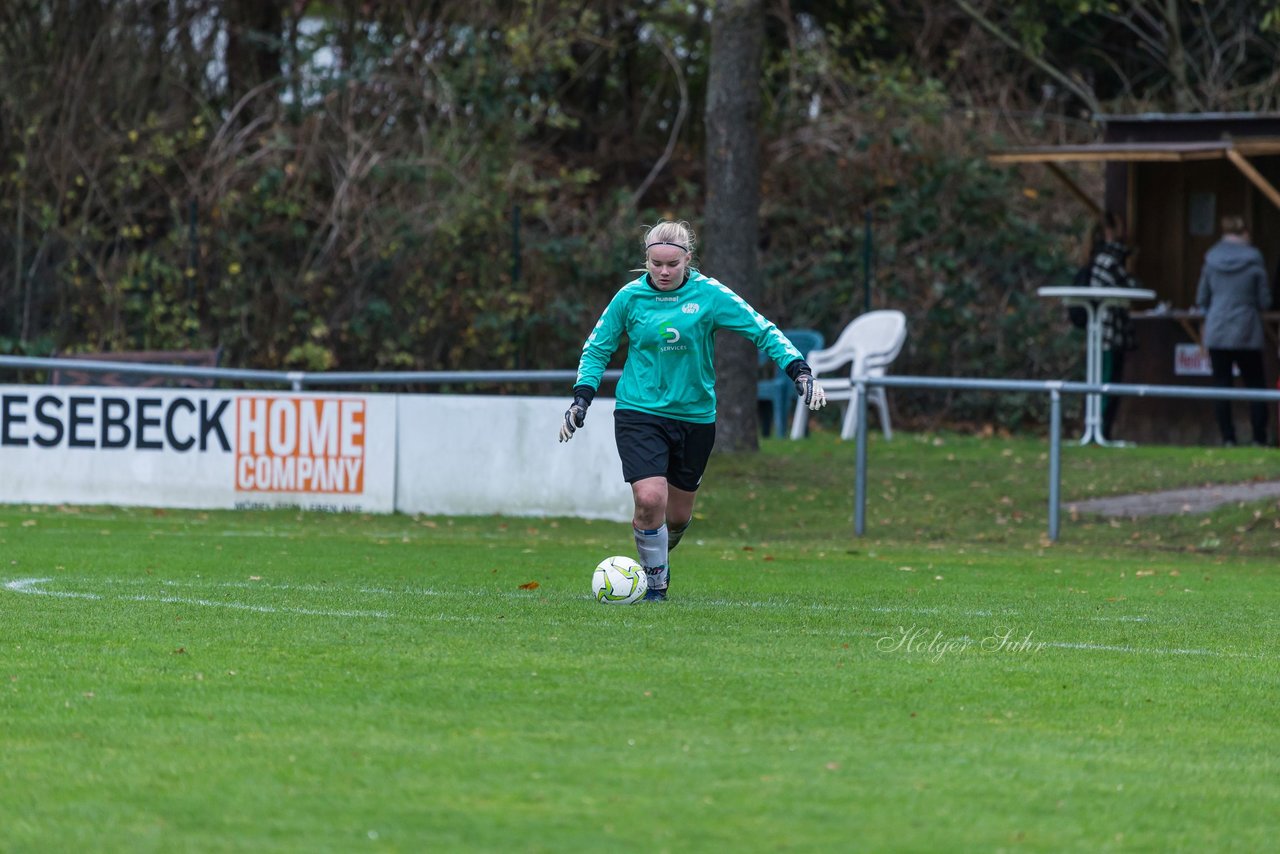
pixel 957 244
pixel 366 219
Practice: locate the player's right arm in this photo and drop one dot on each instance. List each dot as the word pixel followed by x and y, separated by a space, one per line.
pixel 596 353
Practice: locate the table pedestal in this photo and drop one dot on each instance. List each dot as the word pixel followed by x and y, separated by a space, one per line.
pixel 1096 302
pixel 1096 312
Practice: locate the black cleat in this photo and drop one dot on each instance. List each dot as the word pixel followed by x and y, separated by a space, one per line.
pixel 657 575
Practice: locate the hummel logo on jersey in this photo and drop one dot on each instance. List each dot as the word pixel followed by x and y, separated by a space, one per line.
pixel 667 299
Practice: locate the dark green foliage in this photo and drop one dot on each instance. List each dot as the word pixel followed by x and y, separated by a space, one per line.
pixel 359 211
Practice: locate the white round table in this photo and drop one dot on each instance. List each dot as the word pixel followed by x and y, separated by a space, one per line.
pixel 1096 303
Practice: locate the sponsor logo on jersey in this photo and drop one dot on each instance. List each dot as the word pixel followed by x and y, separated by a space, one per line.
pixel 672 337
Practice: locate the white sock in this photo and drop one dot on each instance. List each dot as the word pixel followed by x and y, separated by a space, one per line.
pixel 652 548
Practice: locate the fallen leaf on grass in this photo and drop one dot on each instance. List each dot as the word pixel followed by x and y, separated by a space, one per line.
pixel 529 585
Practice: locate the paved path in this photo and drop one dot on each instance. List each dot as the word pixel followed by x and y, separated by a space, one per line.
pixel 1176 501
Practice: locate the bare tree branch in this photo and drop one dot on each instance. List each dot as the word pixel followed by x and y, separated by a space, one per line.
pixel 676 125
pixel 1067 81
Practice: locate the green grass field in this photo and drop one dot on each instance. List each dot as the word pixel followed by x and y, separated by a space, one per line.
pixel 275 681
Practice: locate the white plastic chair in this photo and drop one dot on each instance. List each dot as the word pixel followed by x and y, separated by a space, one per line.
pixel 868 345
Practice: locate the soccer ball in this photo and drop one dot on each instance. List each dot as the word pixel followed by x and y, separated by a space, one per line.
pixel 619 580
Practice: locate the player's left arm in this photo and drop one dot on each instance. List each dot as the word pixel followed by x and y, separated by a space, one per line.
pixel 736 314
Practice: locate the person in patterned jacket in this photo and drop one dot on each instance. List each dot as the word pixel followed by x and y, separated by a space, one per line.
pixel 1107 270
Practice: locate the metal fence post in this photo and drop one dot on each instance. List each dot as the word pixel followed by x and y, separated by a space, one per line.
pixel 860 479
pixel 1055 459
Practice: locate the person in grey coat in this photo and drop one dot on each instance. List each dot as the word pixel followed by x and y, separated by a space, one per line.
pixel 1234 292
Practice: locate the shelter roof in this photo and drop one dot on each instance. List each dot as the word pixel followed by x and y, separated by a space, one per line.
pixel 1106 118
pixel 1253 146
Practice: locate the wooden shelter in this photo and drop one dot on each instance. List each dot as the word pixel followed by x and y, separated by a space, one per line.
pixel 1173 177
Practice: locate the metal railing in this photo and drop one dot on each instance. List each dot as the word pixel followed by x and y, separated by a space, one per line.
pixel 1055 389
pixel 296 380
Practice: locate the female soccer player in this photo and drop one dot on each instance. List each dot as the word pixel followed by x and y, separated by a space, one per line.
pixel 665 416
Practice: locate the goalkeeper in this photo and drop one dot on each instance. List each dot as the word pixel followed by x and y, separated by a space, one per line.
pixel 664 421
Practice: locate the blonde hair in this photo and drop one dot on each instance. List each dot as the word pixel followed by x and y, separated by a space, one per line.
pixel 672 233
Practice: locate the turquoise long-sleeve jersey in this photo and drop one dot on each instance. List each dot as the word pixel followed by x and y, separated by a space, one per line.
pixel 670 367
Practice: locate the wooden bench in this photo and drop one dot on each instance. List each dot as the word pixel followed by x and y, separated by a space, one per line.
pixel 186 358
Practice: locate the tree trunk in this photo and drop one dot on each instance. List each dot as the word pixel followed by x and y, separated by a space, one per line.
pixel 731 230
pixel 255 30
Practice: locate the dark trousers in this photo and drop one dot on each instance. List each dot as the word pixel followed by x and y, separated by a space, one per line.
pixel 1112 372
pixel 1250 364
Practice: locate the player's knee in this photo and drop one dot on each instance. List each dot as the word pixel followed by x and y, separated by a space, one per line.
pixel 650 500
pixel 647 516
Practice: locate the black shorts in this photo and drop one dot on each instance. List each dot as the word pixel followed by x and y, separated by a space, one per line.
pixel 653 446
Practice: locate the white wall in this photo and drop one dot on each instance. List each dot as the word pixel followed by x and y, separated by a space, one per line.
pixel 436 454
pixel 476 455
pixel 196 448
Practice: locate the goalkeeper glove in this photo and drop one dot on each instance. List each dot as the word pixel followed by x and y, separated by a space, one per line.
pixel 811 394
pixel 574 417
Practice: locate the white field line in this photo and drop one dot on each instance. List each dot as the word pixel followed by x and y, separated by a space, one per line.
pixel 37 587
pixel 261 609
pixel 1102 647
pixel 28 585
pixel 32 586
pixel 925 612
pixel 267 585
